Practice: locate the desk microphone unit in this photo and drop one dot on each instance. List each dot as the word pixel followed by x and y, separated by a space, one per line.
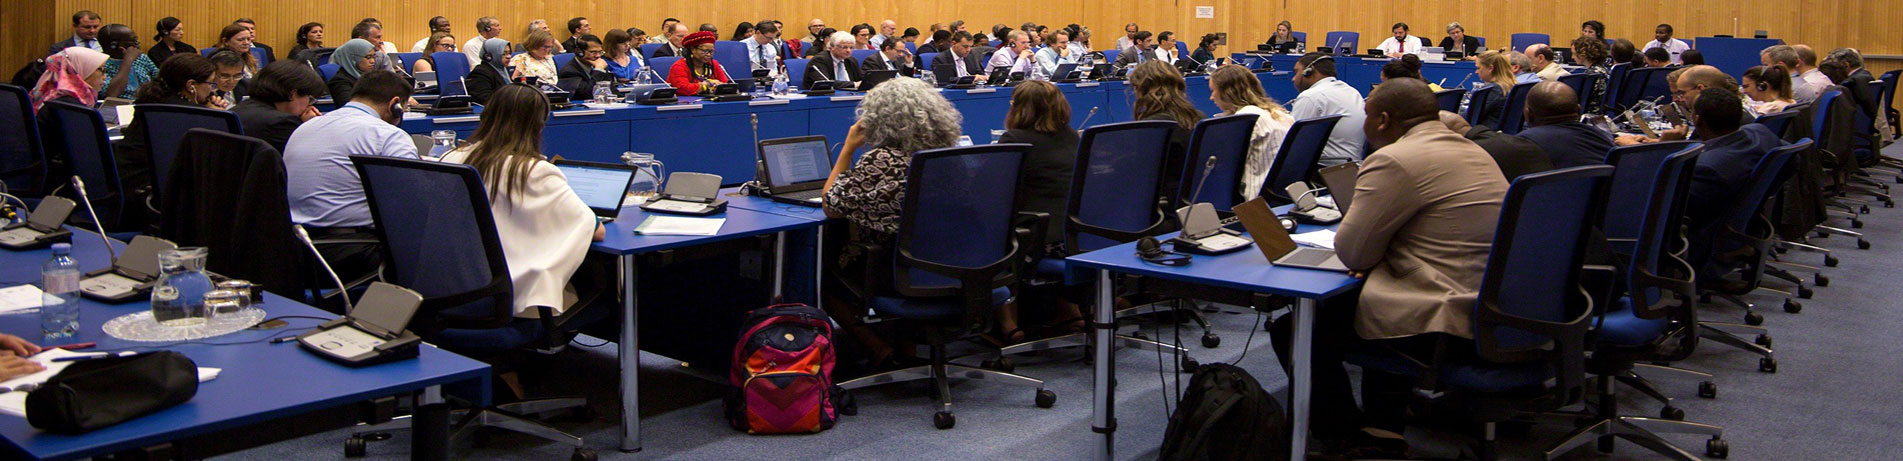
pixel 1305 207
pixel 43 228
pixel 696 194
pixel 130 277
pixel 1203 232
pixel 373 334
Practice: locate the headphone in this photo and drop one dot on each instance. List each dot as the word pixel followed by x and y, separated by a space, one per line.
pixel 1763 87
pixel 1152 252
pixel 1309 70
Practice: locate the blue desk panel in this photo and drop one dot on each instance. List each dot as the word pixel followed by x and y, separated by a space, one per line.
pixel 1733 55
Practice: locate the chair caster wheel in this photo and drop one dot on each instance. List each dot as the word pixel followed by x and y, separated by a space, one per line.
pixel 355 447
pixel 1210 340
pixel 1793 306
pixel 943 420
pixel 582 454
pixel 1820 280
pixel 1804 292
pixel 1763 340
pixel 1865 209
pixel 1266 323
pixel 1863 244
pixel 1708 390
pixel 1046 398
pixel 848 404
pixel 1889 203
pixel 1001 364
pixel 1672 413
pixel 1830 261
pixel 1716 448
pixel 1767 365
pixel 1753 319
pixel 1190 365
pixel 1856 224
pixel 1139 334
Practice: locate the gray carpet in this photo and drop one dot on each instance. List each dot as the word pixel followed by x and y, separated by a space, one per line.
pixel 1838 362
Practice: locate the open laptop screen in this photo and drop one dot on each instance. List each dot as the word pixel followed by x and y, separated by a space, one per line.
pixel 796 162
pixel 600 186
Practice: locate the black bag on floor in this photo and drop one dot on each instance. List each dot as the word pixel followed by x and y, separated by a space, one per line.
pixel 1225 415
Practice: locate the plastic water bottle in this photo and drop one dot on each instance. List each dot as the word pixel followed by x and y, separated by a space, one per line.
pixel 1037 73
pixel 779 82
pixel 59 305
pixel 641 76
pixel 926 75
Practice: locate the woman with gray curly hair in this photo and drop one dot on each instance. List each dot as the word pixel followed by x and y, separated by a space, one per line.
pixel 897 118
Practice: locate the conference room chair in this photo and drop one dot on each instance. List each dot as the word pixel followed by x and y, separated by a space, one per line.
pixel 1747 238
pixel 562 60
pixel 951 264
pixel 408 60
pixel 1522 40
pixel 1477 103
pixel 165 126
pixel 1582 88
pixel 924 64
pixel 1886 95
pixel 648 49
pixel 1514 116
pixel 1530 322
pixel 1615 79
pixel 451 66
pixel 440 240
pixel 995 43
pixel 1779 122
pixel 78 134
pixel 1299 157
pixel 1182 49
pixel 1837 147
pixel 1449 99
pixel 911 47
pixel 732 55
pixel 1300 36
pixel 1117 172
pixel 330 70
pixel 1635 171
pixel 228 196
pixel 1635 86
pixel 22 158
pixel 796 70
pixel 860 55
pixel 1342 39
pixel 662 65
pixel 1212 171
pixel 1483 41
pixel 1111 55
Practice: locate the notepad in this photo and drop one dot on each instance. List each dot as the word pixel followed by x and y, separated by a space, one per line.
pixel 679 225
pixel 1318 239
pixel 14 403
pixel 19 298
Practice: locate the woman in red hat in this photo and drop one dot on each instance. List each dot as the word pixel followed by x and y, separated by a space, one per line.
pixel 698 69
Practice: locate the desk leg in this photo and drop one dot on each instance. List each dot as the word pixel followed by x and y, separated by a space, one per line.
pixel 779 267
pixel 1103 391
pixel 630 351
pixel 429 427
pixel 1299 383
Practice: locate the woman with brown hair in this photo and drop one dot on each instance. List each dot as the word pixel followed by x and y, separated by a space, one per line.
pixel 238 39
pixel 1236 90
pixel 1160 95
pixel 1040 116
pixel 439 42
pixel 1769 89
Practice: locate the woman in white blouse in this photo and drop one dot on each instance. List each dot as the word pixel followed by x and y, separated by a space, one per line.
pixel 538 60
pixel 545 228
pixel 1236 91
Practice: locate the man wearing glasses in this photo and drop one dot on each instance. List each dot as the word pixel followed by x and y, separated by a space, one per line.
pixel 587 69
pixel 761 50
pixel 229 77
pixel 835 64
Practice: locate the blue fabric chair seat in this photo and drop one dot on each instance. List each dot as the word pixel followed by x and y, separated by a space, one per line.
pixel 931 308
pixel 1482 377
pixel 518 333
pixel 1622 327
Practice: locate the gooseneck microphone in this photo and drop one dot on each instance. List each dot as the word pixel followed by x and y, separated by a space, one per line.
pixel 1208 166
pixel 342 291
pixel 80 186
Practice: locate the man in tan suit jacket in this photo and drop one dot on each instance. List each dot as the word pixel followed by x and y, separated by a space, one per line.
pixel 1429 201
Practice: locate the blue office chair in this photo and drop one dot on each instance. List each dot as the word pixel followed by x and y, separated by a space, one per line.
pixel 796 70
pixel 951 263
pixel 924 63
pixel 1299 157
pixel 1513 116
pixel 1886 97
pixel 1449 99
pixel 1182 49
pixel 227 195
pixel 1111 55
pixel 1743 242
pixel 648 49
pixel 408 60
pixel 1521 41
pixel 1635 170
pixel 207 52
pixel 861 55
pixel 1342 39
pixel 1780 122
pixel 1477 105
pixel 663 65
pixel 1615 80
pixel 1582 85
pixel 1300 36
pixel 911 48
pixel 263 58
pixel 450 66
pixel 732 56
pixel 1643 84
pixel 562 60
pixel 1226 140
pixel 1482 40
pixel 22 160
pixel 78 134
pixel 440 241
pixel 995 43
pixel 330 70
pixel 165 126
pixel 1531 320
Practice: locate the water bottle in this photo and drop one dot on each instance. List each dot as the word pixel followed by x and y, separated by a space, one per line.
pixel 779 82
pixel 650 175
pixel 1037 72
pixel 604 93
pixel 642 76
pixel 59 303
pixel 926 75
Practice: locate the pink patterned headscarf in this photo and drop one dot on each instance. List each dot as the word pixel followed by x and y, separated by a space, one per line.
pixel 66 74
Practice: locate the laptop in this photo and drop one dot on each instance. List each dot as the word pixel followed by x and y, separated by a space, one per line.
pixel 874 78
pixel 1274 241
pixel 425 79
pixel 603 186
pixel 1063 72
pixel 1340 180
pixel 793 170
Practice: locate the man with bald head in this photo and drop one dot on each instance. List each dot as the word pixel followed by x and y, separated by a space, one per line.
pixel 888 29
pixel 1552 119
pixel 1544 62
pixel 1430 201
pixel 1692 81
pixel 1516 155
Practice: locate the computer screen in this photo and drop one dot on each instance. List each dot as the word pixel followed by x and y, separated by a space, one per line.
pixel 796 162
pixel 600 187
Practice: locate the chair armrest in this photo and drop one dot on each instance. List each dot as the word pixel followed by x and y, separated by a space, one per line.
pixel 1032 237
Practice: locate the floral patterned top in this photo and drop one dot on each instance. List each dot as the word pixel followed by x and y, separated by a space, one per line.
pixel 871 192
pixel 142 71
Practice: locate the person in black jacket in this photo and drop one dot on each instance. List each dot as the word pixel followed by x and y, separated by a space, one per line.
pixel 1458 40
pixel 280 100
pixel 1857 83
pixel 484 79
pixel 891 56
pixel 1516 156
pixel 834 64
pixel 587 69
pixel 353 59
pixel 184 80
pixel 169 41
pixel 1040 116
pixel 1552 116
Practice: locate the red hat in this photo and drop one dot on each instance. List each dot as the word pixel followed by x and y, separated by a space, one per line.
pixel 697 38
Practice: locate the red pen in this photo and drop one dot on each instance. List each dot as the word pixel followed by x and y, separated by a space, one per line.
pixel 75 346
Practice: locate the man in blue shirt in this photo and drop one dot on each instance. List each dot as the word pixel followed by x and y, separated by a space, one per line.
pixel 325 194
pixel 1552 116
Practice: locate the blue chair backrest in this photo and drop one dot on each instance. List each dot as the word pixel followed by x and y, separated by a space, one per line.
pixel 1663 210
pixel 1615 82
pixel 1113 187
pixel 1482 40
pixel 450 66
pixel 1766 179
pixel 912 48
pixel 732 55
pixel 408 60
pixel 78 133
pixel 861 55
pixel 1342 39
pixel 648 49
pixel 1515 115
pixel 1111 55
pixel 662 65
pixel 1533 270
pixel 1820 118
pixel 1449 99
pixel 1299 156
pixel 1226 139
pixel 1300 36
pixel 995 43
pixel 439 237
pixel 206 52
pixel 924 63
pixel 1638 86
pixel 330 70
pixel 22 158
pixel 561 60
pixel 1477 104
pixel 165 127
pixel 1182 49
pixel 1780 121
pixel 1635 168
pixel 1887 92
pixel 958 211
pixel 263 58
pixel 1521 41
pixel 1582 87
pixel 796 70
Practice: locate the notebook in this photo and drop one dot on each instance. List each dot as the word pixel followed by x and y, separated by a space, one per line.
pixel 1275 243
pixel 603 186
pixel 795 169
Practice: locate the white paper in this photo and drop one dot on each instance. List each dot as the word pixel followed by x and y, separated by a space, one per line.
pixel 679 225
pixel 1320 239
pixel 19 298
pixel 678 205
pixel 1205 12
pixel 14 403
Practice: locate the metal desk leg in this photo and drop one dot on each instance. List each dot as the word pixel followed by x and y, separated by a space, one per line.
pixel 779 266
pixel 1299 383
pixel 630 351
pixel 429 428
pixel 1103 390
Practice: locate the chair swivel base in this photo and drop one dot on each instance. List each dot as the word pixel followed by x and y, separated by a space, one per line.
pixel 940 375
pixel 513 416
pixel 1762 346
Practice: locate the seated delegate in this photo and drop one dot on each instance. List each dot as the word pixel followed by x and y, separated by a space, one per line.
pixel 697 72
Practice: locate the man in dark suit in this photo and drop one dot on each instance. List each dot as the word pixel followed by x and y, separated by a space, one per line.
pixel 1140 49
pixel 960 56
pixel 674 33
pixel 835 64
pixel 279 102
pixel 581 74
pixel 891 56
pixel 1516 156
pixel 1552 113
pixel 1858 86
pixel 1732 150
pixel 85 33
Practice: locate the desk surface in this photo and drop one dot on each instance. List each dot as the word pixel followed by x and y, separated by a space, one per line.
pixel 767 205
pixel 259 381
pixel 741 222
pixel 1245 270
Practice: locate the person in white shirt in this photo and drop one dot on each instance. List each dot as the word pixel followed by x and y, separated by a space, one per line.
pixel 1523 69
pixel 1810 80
pixel 761 48
pixel 1015 55
pixel 544 227
pixel 1236 91
pixel 1323 95
pixel 888 29
pixel 1402 42
pixel 1662 38
pixel 1166 47
pixel 1129 38
pixel 1806 82
pixel 436 24
pixel 1057 50
pixel 1080 43
pixel 486 28
pixel 1544 65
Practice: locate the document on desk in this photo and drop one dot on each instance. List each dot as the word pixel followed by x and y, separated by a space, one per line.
pixel 679 225
pixel 19 298
pixel 13 402
pixel 1318 239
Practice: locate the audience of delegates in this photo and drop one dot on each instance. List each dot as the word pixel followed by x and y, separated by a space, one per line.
pixel 1552 120
pixel 1139 51
pixel 353 59
pixel 281 98
pixel 1057 50
pixel 439 42
pixel 325 194
pixel 1769 88
pixel 184 80
pixel 1080 43
pixel 666 26
pixel 578 27
pixel 1408 66
pixel 1402 42
pixel 238 39
pixel 888 29
pixel 835 65
pixel 940 42
pixel 861 37
pixel 1016 54
pixel 230 79
pixel 487 27
pixel 170 40
pixel 698 71
pixel 371 29
pixel 1458 40
pixel 1662 39
pixel 673 43
pixel 86 29
pixel 540 25
pixel 1544 64
pixel 891 56
pixel 309 36
pixel 587 70
pixel 1040 116
pixel 1236 91
pixel 427 44
pixel 1323 95
pixel 623 59
pixel 538 58
pixel 1205 51
pixel 741 31
pixel 74 75
pixel 1516 156
pixel 1161 94
pixel 129 67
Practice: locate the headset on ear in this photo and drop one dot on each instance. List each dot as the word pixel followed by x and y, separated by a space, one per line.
pixel 1763 87
pixel 1309 70
pixel 1152 252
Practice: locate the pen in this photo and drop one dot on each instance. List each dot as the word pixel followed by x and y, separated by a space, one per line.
pixel 99 356
pixel 75 346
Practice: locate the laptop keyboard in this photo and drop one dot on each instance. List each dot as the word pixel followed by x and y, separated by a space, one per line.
pixel 806 195
pixel 1308 257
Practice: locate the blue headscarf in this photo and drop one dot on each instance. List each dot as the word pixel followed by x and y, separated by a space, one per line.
pixel 495 53
pixel 347 56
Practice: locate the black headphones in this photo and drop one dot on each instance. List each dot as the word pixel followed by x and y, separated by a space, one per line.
pixel 1309 70
pixel 1763 87
pixel 1152 252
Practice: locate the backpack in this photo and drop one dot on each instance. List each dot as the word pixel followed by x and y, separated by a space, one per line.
pixel 1226 415
pixel 29 75
pixel 782 372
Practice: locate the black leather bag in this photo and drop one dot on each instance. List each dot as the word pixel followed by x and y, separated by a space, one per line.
pixel 96 393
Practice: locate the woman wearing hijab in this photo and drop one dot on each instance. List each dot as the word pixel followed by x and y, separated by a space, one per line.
pixel 485 78
pixel 72 76
pixel 698 70
pixel 353 59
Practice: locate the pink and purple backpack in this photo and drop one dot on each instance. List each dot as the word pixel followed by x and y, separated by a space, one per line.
pixel 782 372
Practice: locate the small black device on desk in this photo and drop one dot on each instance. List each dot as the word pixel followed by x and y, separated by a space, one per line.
pixel 653 94
pixel 374 332
pixel 820 88
pixel 726 92
pixel 1306 208
pixel 42 228
pixel 696 194
pixel 132 273
pixel 1002 76
pixel 874 77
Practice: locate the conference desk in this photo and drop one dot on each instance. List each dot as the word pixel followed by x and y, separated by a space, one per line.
pixel 1365 73
pixel 621 242
pixel 1246 270
pixel 259 381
